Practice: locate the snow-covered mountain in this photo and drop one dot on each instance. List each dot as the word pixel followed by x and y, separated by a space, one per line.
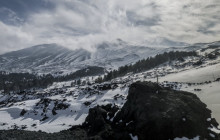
pixel 43 58
pixel 52 58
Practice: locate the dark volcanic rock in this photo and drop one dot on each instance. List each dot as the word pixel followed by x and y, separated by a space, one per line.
pixel 152 113
pixel 98 124
pixel 157 113
pixel 23 112
pixel 198 63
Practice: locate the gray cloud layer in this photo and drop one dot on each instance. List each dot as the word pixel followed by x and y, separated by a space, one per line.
pixel 86 23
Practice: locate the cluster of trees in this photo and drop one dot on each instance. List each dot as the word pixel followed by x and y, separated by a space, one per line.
pixel 146 64
pixel 21 81
pixel 89 71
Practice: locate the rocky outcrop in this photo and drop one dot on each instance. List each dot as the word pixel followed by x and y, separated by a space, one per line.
pixel 155 113
pixel 151 112
pixel 23 111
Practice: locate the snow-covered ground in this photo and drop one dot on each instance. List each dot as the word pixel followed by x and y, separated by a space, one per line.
pixel 195 75
pixel 184 138
pixel 209 94
pixel 77 100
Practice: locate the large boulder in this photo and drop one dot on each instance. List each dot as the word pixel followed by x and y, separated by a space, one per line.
pixel 152 113
pixel 156 113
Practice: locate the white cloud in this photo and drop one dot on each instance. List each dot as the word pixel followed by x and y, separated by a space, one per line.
pixel 85 23
pixel 12 38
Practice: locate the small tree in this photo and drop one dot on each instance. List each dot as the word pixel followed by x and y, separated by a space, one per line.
pixel 78 82
pixel 99 80
pixel 72 84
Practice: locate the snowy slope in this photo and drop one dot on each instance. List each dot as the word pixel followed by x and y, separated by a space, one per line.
pixel 113 55
pixel 71 106
pixel 209 94
pixel 43 58
pixel 52 58
pixel 195 75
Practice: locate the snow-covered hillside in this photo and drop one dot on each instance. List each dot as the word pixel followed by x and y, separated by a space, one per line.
pixel 52 58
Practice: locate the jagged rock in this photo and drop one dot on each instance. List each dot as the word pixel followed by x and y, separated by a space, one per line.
pixel 212 56
pixel 106 86
pixel 218 79
pixel 181 59
pixel 44 118
pixel 23 112
pixel 54 111
pixel 198 63
pixel 61 106
pixel 87 103
pixel 98 124
pixel 96 120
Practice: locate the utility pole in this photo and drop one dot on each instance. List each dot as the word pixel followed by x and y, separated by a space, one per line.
pixel 3 84
pixel 213 76
pixel 157 84
pixel 157 79
pixel 157 76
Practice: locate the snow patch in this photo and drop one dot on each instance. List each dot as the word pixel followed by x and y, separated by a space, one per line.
pixel 185 138
pixel 133 137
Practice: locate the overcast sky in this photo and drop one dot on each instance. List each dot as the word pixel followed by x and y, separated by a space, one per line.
pixel 86 23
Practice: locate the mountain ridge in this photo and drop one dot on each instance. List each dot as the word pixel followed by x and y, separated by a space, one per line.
pixel 53 58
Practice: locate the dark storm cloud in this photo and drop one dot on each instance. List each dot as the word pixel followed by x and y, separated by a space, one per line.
pixel 25 7
pixel 15 12
pixel 142 21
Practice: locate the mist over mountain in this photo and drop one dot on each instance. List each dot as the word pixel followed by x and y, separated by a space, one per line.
pixel 51 58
